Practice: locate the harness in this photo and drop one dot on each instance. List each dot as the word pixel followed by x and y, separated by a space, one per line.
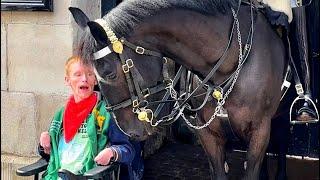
pixel 139 92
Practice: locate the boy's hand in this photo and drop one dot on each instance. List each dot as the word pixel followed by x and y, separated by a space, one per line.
pixel 45 142
pixel 103 158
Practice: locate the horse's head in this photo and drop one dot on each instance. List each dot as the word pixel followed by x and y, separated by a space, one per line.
pixel 130 77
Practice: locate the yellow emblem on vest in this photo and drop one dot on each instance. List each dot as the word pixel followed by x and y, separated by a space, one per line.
pixel 100 120
pixel 117 47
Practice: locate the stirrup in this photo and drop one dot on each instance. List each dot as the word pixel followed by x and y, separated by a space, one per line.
pixel 304 97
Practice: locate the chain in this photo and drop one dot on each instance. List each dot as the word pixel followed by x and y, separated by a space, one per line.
pixel 117 123
pixel 221 102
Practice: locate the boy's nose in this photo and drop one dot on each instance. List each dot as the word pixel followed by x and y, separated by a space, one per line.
pixel 84 77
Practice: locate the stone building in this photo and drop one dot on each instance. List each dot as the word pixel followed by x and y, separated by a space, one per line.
pixel 34 48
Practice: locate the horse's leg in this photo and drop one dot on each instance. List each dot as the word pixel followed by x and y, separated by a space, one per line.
pixel 282 166
pixel 258 144
pixel 264 173
pixel 214 146
pixel 281 131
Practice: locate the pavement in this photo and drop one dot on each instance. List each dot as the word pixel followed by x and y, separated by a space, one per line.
pixel 178 161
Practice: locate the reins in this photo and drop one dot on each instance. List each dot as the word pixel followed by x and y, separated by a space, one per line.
pixel 138 94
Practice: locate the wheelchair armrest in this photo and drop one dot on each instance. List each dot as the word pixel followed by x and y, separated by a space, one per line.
pixel 101 171
pixel 33 169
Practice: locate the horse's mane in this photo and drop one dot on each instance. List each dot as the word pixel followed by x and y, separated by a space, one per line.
pixel 123 18
pixel 129 13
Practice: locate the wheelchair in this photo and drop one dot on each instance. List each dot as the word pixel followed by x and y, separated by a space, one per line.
pixel 109 172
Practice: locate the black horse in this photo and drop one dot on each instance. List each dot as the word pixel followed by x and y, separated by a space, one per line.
pixel 197 35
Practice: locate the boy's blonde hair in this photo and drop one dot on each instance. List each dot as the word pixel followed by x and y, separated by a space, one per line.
pixel 71 60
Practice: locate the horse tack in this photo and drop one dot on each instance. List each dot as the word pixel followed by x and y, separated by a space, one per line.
pixel 134 78
pixel 127 64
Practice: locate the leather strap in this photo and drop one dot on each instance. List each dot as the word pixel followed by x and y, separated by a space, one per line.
pixel 140 50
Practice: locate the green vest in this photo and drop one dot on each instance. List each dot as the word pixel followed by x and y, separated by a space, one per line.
pixel 97 127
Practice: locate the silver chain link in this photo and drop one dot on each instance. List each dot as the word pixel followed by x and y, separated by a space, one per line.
pixel 221 102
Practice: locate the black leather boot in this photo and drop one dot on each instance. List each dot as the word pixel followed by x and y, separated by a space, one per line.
pixel 299 42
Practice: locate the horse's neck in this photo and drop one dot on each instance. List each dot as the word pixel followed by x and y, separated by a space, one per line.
pixel 190 38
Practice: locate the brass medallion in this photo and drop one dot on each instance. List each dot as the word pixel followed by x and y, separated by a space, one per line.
pixel 217 94
pixel 117 47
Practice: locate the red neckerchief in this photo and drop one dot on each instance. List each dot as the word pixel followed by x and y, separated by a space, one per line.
pixel 75 114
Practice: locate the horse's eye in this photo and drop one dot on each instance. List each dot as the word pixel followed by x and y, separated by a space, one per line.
pixel 106 67
pixel 111 75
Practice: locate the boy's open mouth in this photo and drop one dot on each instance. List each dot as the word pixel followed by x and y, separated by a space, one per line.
pixel 84 87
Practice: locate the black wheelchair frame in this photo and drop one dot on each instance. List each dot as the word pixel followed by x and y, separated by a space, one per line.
pixel 109 172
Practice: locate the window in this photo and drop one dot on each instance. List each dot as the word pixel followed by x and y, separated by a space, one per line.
pixel 27 5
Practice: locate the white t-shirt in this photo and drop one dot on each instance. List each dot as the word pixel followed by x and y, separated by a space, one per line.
pixel 73 155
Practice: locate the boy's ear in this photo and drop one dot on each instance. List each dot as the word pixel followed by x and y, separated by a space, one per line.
pixel 67 80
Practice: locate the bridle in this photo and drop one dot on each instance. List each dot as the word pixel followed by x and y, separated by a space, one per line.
pixel 138 91
pixel 139 94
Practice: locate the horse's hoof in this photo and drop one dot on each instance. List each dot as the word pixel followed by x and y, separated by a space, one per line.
pixel 226 167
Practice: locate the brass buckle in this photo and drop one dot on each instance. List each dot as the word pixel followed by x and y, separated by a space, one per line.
pixel 126 67
pixel 299 3
pixel 139 50
pixel 135 103
pixel 129 62
pixel 165 60
pixel 299 89
pixel 146 92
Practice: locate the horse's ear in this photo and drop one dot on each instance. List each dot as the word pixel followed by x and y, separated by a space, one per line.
pixel 79 16
pixel 98 32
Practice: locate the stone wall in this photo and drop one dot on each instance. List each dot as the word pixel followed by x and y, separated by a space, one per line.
pixel 34 48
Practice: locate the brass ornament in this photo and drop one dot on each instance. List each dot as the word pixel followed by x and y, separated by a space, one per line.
pixel 117 47
pixel 143 116
pixel 217 94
